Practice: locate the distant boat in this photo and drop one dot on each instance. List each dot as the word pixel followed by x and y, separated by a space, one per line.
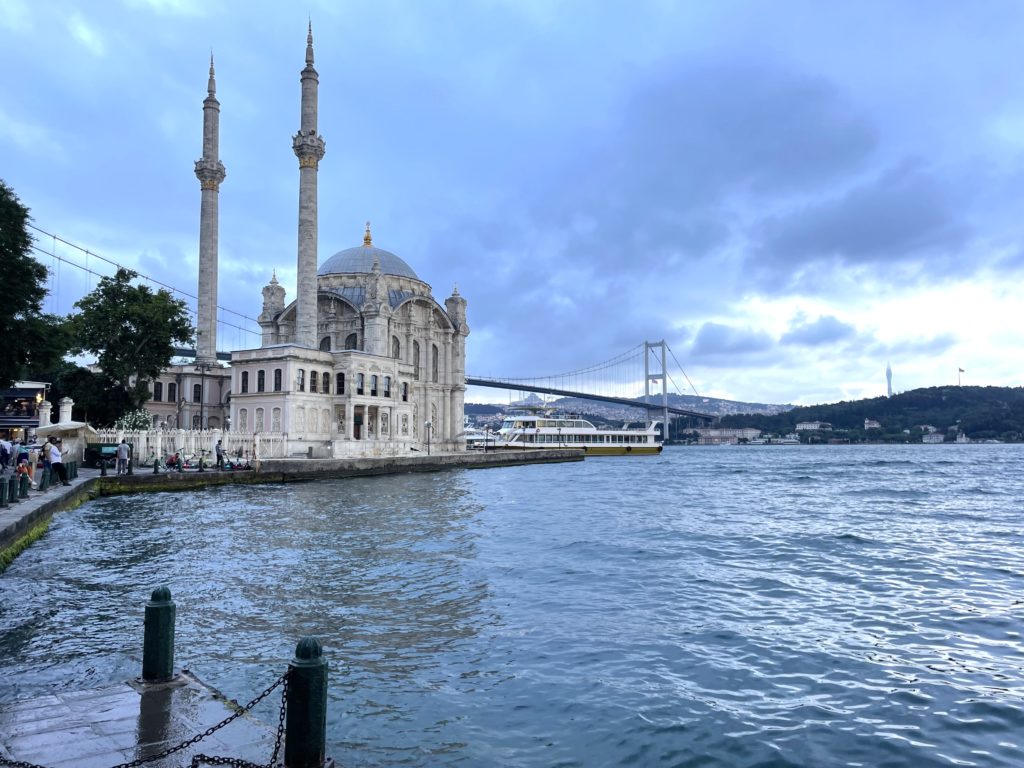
pixel 536 429
pixel 787 440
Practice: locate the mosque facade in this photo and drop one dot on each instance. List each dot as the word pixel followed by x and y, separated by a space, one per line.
pixel 364 361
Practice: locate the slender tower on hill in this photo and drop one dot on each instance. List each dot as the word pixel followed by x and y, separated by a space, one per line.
pixel 888 380
pixel 210 172
pixel 309 148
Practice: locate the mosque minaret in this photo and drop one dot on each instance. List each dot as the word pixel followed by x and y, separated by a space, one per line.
pixel 210 172
pixel 309 148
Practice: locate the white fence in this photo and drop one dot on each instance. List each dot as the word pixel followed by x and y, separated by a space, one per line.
pixel 161 443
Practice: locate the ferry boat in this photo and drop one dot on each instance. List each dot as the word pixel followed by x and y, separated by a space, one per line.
pixel 533 429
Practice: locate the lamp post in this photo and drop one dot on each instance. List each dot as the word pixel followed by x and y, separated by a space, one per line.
pixel 427 426
pixel 202 368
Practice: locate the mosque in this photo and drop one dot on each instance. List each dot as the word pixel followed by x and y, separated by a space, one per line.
pixel 364 361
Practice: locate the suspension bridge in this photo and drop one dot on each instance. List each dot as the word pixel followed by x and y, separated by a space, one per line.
pixel 625 380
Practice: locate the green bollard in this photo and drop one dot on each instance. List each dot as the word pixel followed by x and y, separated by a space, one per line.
pixel 44 480
pixel 156 466
pixel 3 496
pixel 23 487
pixel 158 638
pixel 12 489
pixel 129 463
pixel 74 470
pixel 306 720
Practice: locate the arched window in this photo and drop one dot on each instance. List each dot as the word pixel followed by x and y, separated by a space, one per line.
pixel 405 391
pixel 312 381
pixel 359 383
pixel 158 391
pixel 433 363
pixel 416 360
pixel 243 419
pixel 339 385
pixel 325 344
pixel 352 341
pixel 396 348
pixel 172 393
pixel 277 379
pixel 300 380
pixel 373 385
pixel 197 393
pixel 275 424
pixel 245 381
pixel 258 426
pixel 387 386
pixel 261 381
pixel 327 383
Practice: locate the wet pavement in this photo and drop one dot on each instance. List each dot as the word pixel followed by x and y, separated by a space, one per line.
pixel 108 726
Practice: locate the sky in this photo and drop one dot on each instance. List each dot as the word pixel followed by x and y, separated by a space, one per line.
pixel 791 194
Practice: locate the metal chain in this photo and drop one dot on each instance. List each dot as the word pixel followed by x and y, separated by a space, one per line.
pixel 195 739
pixel 235 762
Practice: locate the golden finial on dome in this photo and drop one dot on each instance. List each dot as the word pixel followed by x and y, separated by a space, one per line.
pixel 367 239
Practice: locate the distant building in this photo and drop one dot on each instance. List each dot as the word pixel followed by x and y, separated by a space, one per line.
pixel 725 436
pixel 872 424
pixel 813 426
pixel 932 437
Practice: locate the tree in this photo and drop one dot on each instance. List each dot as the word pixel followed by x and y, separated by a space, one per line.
pixel 28 335
pixel 132 330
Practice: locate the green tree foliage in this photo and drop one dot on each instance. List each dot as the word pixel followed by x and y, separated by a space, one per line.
pixel 31 340
pixel 979 412
pixel 132 330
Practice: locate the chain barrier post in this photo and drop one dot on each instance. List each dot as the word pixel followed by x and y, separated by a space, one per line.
pixel 158 638
pixel 103 466
pixel 44 480
pixel 306 721
pixel 3 493
pixel 12 489
pixel 131 459
pixel 23 487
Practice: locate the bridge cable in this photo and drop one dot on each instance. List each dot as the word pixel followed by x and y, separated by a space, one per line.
pixel 88 253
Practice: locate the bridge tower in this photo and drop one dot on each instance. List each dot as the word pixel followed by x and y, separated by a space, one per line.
pixel 660 348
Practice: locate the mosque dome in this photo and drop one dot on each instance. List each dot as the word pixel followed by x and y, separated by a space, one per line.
pixel 359 260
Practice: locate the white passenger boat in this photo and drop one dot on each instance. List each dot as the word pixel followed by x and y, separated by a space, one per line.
pixel 534 429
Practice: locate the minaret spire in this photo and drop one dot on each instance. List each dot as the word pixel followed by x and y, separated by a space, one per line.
pixel 309 148
pixel 210 172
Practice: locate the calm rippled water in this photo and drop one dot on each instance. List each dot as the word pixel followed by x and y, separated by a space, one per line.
pixel 757 606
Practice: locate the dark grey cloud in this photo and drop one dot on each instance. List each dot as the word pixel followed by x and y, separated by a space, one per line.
pixel 716 341
pixel 825 330
pixel 904 214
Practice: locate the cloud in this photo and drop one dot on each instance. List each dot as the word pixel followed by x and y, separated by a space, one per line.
pixel 715 341
pixel 29 137
pixel 902 215
pixel 86 34
pixel 824 330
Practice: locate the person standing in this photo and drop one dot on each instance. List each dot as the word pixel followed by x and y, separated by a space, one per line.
pixel 122 457
pixel 220 455
pixel 57 460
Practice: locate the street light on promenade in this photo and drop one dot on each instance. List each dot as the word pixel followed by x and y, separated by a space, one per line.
pixel 427 426
pixel 202 368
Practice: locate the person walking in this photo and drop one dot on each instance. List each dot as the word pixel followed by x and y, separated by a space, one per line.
pixel 57 460
pixel 122 457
